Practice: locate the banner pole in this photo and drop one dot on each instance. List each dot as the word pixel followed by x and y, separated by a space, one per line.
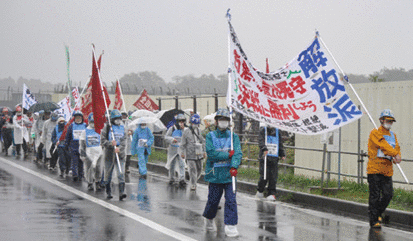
pixel 265 157
pixel 106 105
pixel 358 97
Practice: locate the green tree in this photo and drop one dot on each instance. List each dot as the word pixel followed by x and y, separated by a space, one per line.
pixel 375 78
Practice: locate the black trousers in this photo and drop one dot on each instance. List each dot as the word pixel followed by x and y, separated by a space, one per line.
pixel 18 147
pixel 272 175
pixel 7 137
pixel 381 193
pixel 54 156
pixel 39 153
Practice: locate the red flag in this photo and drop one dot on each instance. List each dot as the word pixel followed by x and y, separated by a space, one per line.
pixel 98 103
pixel 268 66
pixel 118 97
pixel 63 136
pixel 145 102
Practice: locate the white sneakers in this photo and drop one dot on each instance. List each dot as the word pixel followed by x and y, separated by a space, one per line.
pixel 259 195
pixel 271 198
pixel 231 230
pixel 210 225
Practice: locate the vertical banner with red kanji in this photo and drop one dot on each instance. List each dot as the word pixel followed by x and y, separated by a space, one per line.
pixel 306 96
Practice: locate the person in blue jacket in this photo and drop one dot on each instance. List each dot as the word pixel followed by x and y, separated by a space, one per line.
pixel 72 144
pixel 62 154
pixel 222 164
pixel 142 141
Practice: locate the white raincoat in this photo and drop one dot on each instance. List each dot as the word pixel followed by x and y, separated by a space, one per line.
pixel 174 148
pixel 37 130
pixel 20 129
pixel 91 153
pixel 48 128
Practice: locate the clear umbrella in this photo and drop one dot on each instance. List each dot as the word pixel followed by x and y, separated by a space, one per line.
pixel 143 113
pixel 153 123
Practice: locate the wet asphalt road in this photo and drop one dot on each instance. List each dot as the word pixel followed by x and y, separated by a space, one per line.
pixel 36 204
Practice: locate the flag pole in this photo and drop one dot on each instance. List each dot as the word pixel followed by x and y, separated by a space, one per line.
pixel 228 16
pixel 106 105
pixel 123 100
pixel 358 97
pixel 265 157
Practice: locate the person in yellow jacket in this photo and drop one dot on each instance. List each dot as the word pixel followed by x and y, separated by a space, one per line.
pixel 384 150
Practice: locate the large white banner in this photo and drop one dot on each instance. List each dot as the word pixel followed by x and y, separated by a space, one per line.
pixel 28 98
pixel 65 107
pixel 306 96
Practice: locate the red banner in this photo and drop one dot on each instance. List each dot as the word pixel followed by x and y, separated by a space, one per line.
pixel 118 97
pixel 145 102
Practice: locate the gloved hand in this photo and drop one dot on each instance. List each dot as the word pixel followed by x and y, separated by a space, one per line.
pixel 33 135
pixel 233 172
pixel 231 153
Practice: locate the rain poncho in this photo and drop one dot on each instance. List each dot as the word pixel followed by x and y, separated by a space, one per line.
pixel 142 136
pixel 129 139
pixel 37 130
pixel 48 128
pixel 218 164
pixel 192 144
pixel 91 153
pixel 174 148
pixel 20 129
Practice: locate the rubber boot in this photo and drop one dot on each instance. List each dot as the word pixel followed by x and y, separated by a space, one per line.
pixel 122 194
pixel 108 191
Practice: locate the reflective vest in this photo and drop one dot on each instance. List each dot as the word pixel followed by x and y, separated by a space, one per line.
pixel 77 130
pixel 118 132
pixel 58 134
pixel 392 141
pixel 223 145
pixel 272 143
pixel 92 138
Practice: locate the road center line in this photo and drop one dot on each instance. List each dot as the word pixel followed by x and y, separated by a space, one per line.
pixel 107 205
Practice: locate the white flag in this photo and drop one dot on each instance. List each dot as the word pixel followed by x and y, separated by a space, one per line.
pixel 65 109
pixel 28 98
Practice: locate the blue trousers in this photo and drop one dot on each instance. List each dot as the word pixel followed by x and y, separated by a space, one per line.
pixel 142 160
pixel 64 159
pixel 215 191
pixel 77 164
pixel 110 163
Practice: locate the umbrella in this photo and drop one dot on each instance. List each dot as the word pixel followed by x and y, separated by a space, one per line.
pixel 210 117
pixel 153 123
pixel 45 106
pixel 142 113
pixel 168 117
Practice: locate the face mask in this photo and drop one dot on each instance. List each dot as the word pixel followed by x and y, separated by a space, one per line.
pixel 117 122
pixel 61 124
pixel 92 125
pixel 143 126
pixel 223 124
pixel 387 126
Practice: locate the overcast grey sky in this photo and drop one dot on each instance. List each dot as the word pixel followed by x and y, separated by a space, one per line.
pixel 190 37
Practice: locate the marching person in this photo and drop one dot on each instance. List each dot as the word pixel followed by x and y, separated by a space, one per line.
pixel 30 116
pixel 114 147
pixel 6 125
pixel 72 144
pixel 48 128
pixel 383 150
pixel 126 122
pixel 142 141
pixel 21 135
pixel 272 148
pixel 222 164
pixel 193 149
pixel 173 137
pixel 91 154
pixel 62 153
pixel 37 131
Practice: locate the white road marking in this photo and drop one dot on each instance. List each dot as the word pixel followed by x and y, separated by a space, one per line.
pixel 107 205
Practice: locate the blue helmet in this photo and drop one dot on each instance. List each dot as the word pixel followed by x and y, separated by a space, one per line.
pixel 180 117
pixel 115 114
pixel 90 118
pixel 77 113
pixel 387 113
pixel 222 113
pixel 195 119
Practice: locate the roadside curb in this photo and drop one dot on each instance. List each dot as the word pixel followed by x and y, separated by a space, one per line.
pixel 356 210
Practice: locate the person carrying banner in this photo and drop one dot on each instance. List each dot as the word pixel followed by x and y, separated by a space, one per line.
pixel 112 149
pixel 37 134
pixel 61 151
pixel 6 125
pixel 91 154
pixel 48 128
pixel 72 144
pixel 21 136
pixel 173 137
pixel 193 149
pixel 126 122
pixel 142 141
pixel 222 164
pixel 383 151
pixel 271 148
